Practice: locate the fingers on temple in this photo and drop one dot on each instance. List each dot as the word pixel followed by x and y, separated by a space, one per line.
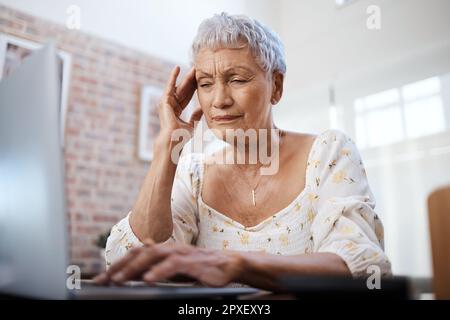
pixel 187 87
pixel 170 88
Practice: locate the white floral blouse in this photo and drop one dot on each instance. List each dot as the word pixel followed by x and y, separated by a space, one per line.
pixel 334 213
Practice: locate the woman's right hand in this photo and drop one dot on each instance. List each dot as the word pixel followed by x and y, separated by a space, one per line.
pixel 173 102
pixel 161 262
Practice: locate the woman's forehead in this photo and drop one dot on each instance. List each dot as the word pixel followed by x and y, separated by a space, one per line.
pixel 209 61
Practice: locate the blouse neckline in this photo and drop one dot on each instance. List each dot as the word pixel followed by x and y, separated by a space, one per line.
pixel 271 217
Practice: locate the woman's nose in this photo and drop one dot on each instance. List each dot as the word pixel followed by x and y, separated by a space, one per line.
pixel 222 97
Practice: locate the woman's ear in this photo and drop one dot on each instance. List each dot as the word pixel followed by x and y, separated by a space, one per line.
pixel 277 87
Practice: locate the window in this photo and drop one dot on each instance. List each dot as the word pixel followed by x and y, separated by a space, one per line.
pixel 390 116
pixel 424 112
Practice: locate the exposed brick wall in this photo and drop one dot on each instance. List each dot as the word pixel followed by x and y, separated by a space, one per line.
pixel 103 171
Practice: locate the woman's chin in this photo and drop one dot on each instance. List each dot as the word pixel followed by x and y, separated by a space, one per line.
pixel 222 127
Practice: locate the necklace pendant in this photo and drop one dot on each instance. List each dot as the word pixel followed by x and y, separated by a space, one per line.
pixel 253 197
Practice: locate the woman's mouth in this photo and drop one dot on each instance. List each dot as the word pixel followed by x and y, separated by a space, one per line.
pixel 226 118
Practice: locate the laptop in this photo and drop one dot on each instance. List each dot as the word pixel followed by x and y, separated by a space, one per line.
pixel 33 227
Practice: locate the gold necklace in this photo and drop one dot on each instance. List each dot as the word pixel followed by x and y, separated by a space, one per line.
pixel 259 180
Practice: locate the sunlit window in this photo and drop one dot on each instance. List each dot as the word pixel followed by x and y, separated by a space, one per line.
pixel 411 111
pixel 424 112
pixel 377 119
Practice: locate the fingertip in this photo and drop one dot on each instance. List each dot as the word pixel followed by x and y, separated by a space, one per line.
pixel 100 279
pixel 149 277
pixel 175 71
pixel 119 277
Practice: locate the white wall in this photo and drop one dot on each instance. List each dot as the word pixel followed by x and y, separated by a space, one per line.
pixel 162 28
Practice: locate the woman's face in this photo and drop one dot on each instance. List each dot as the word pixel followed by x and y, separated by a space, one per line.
pixel 233 91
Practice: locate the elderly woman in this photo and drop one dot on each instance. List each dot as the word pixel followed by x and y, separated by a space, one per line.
pixel 220 223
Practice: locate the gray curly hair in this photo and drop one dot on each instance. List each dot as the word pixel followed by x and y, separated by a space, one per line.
pixel 228 31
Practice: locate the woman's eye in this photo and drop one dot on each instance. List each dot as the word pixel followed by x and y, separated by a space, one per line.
pixel 205 85
pixel 238 81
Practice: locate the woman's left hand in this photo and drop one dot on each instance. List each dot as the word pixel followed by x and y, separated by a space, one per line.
pixel 158 262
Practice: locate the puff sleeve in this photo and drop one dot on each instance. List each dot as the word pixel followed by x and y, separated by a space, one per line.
pixel 345 222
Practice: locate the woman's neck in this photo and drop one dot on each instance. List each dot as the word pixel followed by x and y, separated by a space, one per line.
pixel 256 150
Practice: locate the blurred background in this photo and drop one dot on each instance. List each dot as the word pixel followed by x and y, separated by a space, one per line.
pixel 378 70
